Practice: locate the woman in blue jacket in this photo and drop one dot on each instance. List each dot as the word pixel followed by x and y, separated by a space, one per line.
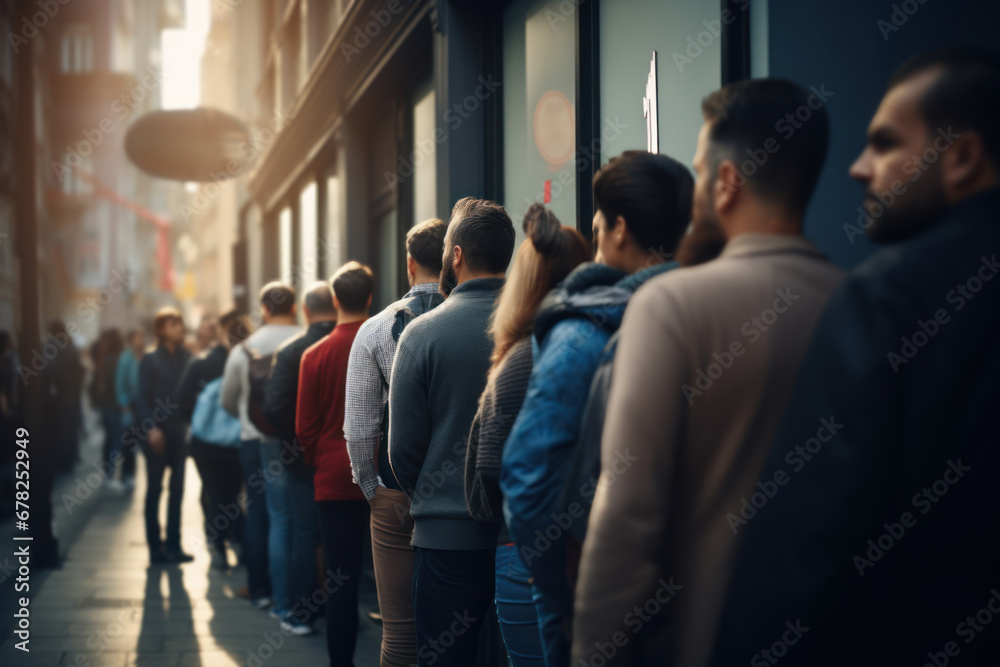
pixel 643 209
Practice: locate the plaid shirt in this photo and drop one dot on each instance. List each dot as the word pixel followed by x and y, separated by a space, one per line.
pixel 371 362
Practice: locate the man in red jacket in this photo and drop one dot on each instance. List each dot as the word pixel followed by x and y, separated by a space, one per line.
pixel 319 425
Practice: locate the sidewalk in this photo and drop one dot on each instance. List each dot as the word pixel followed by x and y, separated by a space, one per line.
pixel 106 606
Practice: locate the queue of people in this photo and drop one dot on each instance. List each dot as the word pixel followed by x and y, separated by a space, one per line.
pixel 694 441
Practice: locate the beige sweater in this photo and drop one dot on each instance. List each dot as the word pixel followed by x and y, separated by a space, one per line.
pixel 704 369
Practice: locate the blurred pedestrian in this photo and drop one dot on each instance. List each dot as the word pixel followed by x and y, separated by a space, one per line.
pixel 62 396
pixel 280 397
pixel 267 534
pixel 366 427
pixel 127 391
pixel 105 395
pixel 643 207
pixel 895 407
pixel 213 446
pixel 343 512
pixel 439 371
pixel 162 434
pixel 545 258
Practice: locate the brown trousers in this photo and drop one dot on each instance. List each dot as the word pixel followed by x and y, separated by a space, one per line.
pixel 392 528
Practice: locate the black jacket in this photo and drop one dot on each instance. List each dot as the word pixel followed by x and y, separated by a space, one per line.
pixel 282 390
pixel 882 540
pixel 199 372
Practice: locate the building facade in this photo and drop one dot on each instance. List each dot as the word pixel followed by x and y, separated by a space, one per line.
pixel 375 115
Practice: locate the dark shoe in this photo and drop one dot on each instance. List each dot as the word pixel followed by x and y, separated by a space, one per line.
pixel 375 616
pixel 178 556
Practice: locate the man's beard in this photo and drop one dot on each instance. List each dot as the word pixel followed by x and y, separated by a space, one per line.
pixel 448 279
pixel 903 218
pixel 705 240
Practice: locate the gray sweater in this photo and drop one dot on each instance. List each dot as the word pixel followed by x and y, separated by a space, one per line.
pixel 439 372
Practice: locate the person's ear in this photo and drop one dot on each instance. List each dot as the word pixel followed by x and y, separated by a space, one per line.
pixel 411 266
pixel 457 257
pixel 963 162
pixel 368 304
pixel 619 233
pixel 336 302
pixel 727 186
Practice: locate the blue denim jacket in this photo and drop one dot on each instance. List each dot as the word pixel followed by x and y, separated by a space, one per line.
pixel 573 325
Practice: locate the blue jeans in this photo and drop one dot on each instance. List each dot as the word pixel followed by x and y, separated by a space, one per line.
pixel 452 591
pixel 279 516
pixel 516 609
pixel 303 576
pixel 255 529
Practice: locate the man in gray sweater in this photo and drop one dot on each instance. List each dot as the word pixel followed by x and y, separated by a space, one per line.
pixel 439 372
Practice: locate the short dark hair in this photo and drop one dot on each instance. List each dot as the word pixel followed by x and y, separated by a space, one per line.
pixel 425 242
pixel 278 298
pixel 352 285
pixel 779 159
pixel 651 192
pixel 319 299
pixel 165 316
pixel 965 96
pixel 485 233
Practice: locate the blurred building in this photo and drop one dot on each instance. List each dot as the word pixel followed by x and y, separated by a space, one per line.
pixel 92 66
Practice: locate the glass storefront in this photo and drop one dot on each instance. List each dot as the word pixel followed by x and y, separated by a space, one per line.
pixel 539 110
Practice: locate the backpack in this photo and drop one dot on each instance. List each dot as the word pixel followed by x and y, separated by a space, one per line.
pixel 259 369
pixel 210 423
pixel 418 305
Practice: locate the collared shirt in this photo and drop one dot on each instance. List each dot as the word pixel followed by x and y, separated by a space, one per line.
pixel 368 371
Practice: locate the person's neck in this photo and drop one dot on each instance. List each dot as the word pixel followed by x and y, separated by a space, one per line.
pixel 476 276
pixel 642 260
pixel 322 318
pixel 423 279
pixel 170 345
pixel 762 220
pixel 281 320
pixel 344 317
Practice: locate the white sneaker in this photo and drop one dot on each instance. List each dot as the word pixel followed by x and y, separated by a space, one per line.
pixel 114 486
pixel 261 603
pixel 296 627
